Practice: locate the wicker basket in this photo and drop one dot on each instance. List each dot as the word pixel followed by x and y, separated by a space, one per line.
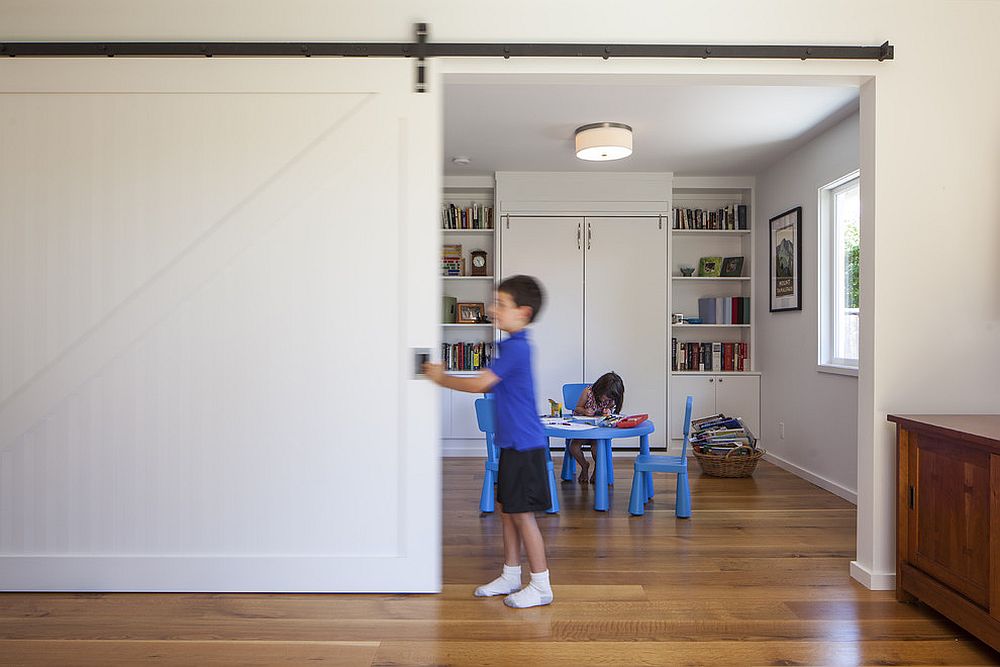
pixel 727 465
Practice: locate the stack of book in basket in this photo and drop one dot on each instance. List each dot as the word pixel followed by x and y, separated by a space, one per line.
pixel 724 446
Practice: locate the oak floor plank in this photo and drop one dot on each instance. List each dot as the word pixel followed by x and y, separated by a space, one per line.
pixel 98 653
pixel 758 575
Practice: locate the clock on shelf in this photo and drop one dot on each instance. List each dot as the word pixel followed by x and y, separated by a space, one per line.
pixel 479 264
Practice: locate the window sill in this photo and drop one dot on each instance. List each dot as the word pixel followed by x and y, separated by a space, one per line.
pixel 837 370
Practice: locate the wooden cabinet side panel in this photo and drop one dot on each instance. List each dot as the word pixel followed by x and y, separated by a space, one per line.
pixel 902 509
pixel 950 539
pixel 994 523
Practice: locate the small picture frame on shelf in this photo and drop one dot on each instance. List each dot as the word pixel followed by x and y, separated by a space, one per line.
pixel 732 267
pixel 471 313
pixel 709 267
pixel 786 261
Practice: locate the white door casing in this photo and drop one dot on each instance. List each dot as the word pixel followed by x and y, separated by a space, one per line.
pixel 210 268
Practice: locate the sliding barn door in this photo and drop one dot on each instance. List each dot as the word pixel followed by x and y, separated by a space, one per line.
pixel 625 311
pixel 212 275
pixel 550 249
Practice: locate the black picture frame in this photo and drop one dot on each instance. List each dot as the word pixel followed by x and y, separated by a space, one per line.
pixel 785 266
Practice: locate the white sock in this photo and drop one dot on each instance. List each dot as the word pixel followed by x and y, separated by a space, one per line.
pixel 508 582
pixel 535 594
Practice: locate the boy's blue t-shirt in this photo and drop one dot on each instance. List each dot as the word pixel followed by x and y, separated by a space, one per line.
pixel 518 426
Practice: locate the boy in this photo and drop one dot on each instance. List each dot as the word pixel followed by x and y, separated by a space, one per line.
pixel 522 478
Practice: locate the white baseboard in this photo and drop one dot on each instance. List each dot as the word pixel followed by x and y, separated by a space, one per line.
pixel 822 482
pixel 875 581
pixel 457 447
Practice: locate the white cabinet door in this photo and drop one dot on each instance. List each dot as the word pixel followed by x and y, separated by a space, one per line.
pixel 625 311
pixel 446 412
pixel 739 396
pixel 463 415
pixel 548 249
pixel 702 388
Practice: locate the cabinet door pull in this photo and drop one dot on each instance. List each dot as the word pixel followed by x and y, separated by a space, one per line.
pixel 711 379
pixel 911 496
pixel 579 234
pixel 720 380
pixel 589 235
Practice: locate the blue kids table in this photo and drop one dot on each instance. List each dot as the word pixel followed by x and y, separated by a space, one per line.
pixel 603 437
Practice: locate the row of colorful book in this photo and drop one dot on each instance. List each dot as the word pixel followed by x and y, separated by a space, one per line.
pixel 709 356
pixel 452 262
pixel 719 434
pixel 476 216
pixel 466 356
pixel 724 310
pixel 733 216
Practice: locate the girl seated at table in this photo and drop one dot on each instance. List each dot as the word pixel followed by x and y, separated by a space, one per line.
pixel 604 397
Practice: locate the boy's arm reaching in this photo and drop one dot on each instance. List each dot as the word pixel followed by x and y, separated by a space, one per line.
pixel 478 384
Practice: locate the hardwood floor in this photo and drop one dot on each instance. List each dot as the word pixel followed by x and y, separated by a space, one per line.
pixel 757 576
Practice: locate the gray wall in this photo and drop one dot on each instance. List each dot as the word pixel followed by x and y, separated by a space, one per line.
pixel 819 410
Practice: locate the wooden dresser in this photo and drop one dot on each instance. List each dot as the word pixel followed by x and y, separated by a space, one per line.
pixel 948 517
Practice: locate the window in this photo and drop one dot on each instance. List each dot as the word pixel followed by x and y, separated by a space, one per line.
pixel 840 281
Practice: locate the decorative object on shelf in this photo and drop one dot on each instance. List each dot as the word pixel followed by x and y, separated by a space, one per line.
pixel 452 262
pixel 448 309
pixel 600 142
pixel 786 261
pixel 709 267
pixel 732 267
pixel 479 264
pixel 471 313
pixel 686 271
pixel 678 318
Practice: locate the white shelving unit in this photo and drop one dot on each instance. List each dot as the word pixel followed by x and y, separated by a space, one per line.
pixel 459 431
pixel 732 392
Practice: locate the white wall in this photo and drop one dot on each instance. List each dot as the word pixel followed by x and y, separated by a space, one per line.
pixel 929 136
pixel 819 410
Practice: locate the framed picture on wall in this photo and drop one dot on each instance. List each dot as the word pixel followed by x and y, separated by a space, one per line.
pixel 786 261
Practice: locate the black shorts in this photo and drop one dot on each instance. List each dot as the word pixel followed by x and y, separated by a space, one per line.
pixel 523 481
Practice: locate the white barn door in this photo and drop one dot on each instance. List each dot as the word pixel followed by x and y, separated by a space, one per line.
pixel 212 274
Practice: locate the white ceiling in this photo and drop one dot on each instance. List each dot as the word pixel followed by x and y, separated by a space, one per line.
pixel 519 125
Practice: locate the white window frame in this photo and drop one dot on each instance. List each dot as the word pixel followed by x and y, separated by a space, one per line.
pixel 827 246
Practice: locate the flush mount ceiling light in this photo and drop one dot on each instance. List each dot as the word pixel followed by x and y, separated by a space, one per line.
pixel 603 141
pixel 461 160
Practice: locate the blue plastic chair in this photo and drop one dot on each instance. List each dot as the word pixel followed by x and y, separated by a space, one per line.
pixel 642 481
pixel 571 396
pixel 486 417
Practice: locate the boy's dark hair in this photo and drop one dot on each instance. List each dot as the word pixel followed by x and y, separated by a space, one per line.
pixel 525 291
pixel 610 385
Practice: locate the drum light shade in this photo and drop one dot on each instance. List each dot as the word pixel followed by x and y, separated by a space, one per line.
pixel 603 141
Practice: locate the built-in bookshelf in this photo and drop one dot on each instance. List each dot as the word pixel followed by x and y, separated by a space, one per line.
pixel 712 325
pixel 467 220
pixel 711 218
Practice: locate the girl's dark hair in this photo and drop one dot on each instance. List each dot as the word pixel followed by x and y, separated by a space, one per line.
pixel 610 385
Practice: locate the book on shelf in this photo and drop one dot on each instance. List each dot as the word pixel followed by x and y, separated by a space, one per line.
pixel 729 217
pixel 473 216
pixel 724 310
pixel 466 356
pixel 712 356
